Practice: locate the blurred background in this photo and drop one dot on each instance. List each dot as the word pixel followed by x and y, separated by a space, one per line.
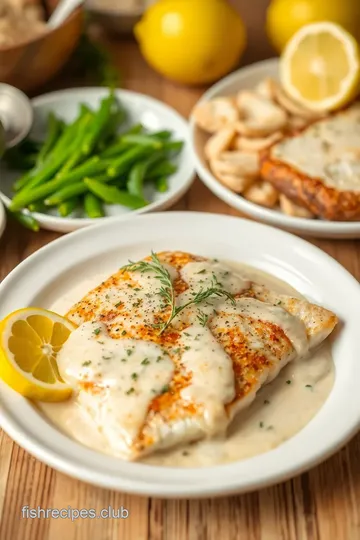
pixel 31 53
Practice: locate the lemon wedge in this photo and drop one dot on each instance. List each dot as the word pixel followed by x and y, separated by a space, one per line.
pixel 29 342
pixel 320 66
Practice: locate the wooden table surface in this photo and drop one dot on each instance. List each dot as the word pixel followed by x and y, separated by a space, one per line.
pixel 322 504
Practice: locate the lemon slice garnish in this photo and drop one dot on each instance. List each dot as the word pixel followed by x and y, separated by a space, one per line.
pixel 320 66
pixel 30 340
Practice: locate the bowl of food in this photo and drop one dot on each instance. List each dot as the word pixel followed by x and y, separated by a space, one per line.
pixel 30 52
pixel 93 153
pixel 268 148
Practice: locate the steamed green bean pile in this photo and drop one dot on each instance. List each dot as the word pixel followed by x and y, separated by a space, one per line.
pixel 89 162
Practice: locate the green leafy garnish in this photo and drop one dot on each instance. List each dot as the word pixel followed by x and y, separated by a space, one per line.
pixel 167 291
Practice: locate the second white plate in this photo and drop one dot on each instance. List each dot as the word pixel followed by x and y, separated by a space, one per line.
pixel 53 271
pixel 249 77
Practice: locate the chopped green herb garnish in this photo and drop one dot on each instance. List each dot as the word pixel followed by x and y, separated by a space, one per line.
pixel 118 304
pixel 288 382
pixel 106 357
pixel 107 296
pixel 167 292
pixel 129 352
pixel 187 348
pixel 165 389
pixel 202 318
pixel 130 391
pixel 145 362
pixel 266 402
pixel 87 363
pixel 159 358
pixel 202 271
pixel 97 331
pixel 134 376
pixel 308 386
pixel 123 333
pixel 261 424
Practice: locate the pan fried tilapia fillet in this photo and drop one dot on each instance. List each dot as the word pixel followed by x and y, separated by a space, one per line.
pixel 319 168
pixel 146 389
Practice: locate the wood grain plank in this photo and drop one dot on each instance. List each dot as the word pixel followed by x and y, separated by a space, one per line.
pixel 6 448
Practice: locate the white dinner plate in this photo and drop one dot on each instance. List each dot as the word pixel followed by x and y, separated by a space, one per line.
pixel 2 219
pixel 150 112
pixel 248 77
pixel 55 269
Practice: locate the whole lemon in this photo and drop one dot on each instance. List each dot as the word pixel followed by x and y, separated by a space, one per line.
pixel 285 17
pixel 191 41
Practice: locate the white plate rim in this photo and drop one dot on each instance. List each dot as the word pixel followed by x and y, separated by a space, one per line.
pixel 70 224
pixel 320 228
pixel 190 483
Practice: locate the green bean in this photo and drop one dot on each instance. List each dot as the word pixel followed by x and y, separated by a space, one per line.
pixel 69 131
pixel 93 206
pixel 67 207
pixel 138 172
pixel 27 220
pixel 136 179
pixel 37 207
pixel 113 124
pixel 91 167
pixel 108 135
pixel 101 118
pixel 164 168
pixel 77 154
pixel 162 184
pixel 69 191
pixel 55 127
pixel 113 195
pixel 143 140
pixel 165 134
pixel 122 164
pixel 23 180
pixel 64 194
pixel 61 152
pixel 174 147
pixel 119 146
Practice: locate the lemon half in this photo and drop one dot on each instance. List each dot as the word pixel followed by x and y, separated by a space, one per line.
pixel 30 340
pixel 320 67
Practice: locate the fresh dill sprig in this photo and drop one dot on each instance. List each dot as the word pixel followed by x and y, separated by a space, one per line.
pixel 162 274
pixel 167 290
pixel 202 318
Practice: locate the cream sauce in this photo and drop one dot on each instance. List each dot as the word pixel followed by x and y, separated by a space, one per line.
pixel 120 399
pixel 293 327
pixel 328 150
pixel 213 383
pixel 279 411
